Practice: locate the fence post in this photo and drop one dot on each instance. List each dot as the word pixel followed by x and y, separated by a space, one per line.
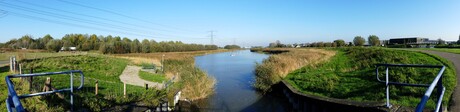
pixel 31 79
pixel 124 89
pixel 20 68
pixel 97 82
pixel 11 64
pixel 146 86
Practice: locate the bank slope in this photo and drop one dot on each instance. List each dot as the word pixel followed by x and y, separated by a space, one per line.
pixel 351 75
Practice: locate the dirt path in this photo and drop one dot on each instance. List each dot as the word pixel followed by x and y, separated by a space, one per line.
pixel 131 76
pixel 455 59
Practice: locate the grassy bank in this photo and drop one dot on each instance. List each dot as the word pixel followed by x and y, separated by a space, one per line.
pixel 449 50
pixel 105 70
pixel 276 67
pixel 351 75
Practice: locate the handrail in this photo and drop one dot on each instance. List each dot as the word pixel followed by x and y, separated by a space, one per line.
pixel 13 98
pixel 437 82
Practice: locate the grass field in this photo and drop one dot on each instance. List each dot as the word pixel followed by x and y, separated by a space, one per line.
pixel 351 75
pixel 105 70
pixel 151 77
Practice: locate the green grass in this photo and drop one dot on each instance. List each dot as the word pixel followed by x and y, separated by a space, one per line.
pixel 350 74
pixel 151 77
pixel 450 50
pixel 102 68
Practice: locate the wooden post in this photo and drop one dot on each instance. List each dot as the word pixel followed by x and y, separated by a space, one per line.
pixel 97 82
pixel 11 64
pixel 31 79
pixel 49 87
pixel 124 90
pixel 146 86
pixel 47 84
pixel 14 64
pixel 20 68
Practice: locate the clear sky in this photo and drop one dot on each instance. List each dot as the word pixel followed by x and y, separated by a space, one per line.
pixel 248 22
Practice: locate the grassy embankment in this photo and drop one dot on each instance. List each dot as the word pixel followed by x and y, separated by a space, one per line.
pixel 276 67
pixel 449 50
pixel 194 83
pixel 350 74
pixel 102 68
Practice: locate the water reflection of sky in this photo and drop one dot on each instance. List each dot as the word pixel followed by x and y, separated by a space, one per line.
pixel 234 72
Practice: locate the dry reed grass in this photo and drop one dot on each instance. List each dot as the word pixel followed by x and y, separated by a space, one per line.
pixel 276 67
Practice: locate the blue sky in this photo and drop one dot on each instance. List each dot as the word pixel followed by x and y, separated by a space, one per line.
pixel 248 22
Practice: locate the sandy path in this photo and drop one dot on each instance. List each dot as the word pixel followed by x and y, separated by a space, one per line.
pixel 131 76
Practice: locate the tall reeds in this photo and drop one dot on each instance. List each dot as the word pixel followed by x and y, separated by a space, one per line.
pixel 277 66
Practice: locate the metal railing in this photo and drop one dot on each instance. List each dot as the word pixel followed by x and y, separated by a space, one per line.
pixel 13 99
pixel 437 83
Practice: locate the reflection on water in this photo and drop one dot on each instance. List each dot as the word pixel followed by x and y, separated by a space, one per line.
pixel 234 72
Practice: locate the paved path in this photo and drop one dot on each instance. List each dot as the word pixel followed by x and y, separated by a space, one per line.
pixel 455 59
pixel 131 76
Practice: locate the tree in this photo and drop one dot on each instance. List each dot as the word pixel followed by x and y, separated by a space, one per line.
pixel 135 46
pixel 54 45
pixel 441 42
pixel 374 40
pixel 339 42
pixel 145 46
pixel 232 47
pixel 359 41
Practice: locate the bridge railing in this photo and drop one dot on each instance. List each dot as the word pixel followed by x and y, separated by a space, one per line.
pixel 436 83
pixel 13 102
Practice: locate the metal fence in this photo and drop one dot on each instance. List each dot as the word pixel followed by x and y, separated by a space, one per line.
pixel 13 100
pixel 436 83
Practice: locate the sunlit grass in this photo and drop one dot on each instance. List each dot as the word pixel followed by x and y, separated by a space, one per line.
pixel 151 77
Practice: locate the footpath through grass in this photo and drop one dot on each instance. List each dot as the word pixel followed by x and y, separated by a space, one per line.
pixel 350 74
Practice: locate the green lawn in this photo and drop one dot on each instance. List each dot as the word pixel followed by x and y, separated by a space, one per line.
pixel 151 77
pixel 351 75
pixel 104 69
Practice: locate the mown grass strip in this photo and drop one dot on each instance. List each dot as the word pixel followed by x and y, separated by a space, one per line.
pixel 151 77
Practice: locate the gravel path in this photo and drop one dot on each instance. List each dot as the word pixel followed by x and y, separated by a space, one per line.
pixel 455 59
pixel 131 76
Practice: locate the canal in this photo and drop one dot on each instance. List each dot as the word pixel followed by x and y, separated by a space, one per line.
pixel 234 72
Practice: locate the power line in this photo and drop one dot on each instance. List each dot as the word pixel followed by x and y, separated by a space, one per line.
pixel 79 19
pixel 122 15
pixel 141 26
pixel 65 17
pixel 71 24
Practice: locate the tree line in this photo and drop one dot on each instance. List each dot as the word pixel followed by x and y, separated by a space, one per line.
pixel 105 44
pixel 373 40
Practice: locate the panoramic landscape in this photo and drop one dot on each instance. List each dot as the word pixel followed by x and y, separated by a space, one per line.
pixel 229 56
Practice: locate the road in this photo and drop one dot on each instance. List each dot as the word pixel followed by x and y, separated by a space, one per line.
pixel 455 59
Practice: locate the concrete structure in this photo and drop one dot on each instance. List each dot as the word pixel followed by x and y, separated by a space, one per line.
pixel 412 41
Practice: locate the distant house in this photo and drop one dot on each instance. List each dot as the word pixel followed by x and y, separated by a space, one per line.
pixel 69 48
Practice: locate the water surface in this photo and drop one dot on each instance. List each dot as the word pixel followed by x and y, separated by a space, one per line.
pixel 234 72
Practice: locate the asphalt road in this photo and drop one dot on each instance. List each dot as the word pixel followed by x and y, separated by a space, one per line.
pixel 455 59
